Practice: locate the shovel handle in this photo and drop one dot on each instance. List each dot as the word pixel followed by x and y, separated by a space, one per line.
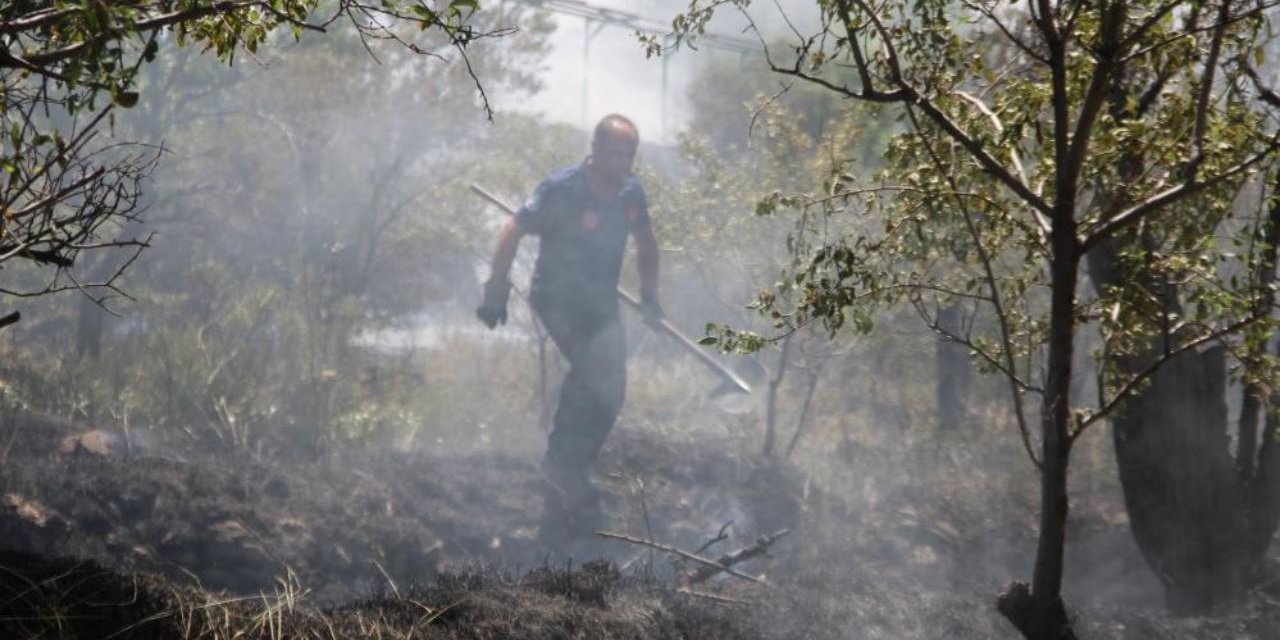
pixel 662 325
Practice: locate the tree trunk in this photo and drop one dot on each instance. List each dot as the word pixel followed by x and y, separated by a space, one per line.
pixel 771 398
pixel 91 317
pixel 1038 612
pixel 90 322
pixel 802 423
pixel 1185 501
pixel 1264 490
pixel 1263 472
pixel 1201 518
pixel 952 361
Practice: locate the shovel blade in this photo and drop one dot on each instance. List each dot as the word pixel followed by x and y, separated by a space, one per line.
pixel 733 399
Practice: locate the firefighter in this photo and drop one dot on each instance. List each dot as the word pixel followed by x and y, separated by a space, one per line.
pixel 583 215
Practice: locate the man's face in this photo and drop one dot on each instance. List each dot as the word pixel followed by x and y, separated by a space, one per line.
pixel 614 155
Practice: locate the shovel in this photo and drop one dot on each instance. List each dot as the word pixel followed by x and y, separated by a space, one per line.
pixel 733 384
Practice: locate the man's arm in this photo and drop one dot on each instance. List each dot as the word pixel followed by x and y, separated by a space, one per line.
pixel 493 308
pixel 647 263
pixel 505 253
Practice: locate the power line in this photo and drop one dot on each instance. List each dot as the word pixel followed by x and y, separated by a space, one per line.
pixel 637 22
pixel 596 18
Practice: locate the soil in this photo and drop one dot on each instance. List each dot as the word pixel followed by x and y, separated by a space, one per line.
pixel 141 543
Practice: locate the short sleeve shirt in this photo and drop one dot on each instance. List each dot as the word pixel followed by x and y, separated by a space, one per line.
pixel 584 236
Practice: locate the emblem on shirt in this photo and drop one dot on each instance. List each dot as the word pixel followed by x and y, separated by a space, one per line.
pixel 633 213
pixel 589 220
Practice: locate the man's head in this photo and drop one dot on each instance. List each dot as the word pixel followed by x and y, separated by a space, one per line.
pixel 613 147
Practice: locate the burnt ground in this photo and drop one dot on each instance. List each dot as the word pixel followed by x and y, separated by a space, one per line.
pixel 146 544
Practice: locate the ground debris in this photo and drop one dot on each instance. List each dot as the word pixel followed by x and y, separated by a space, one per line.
pixel 213 547
pixel 712 565
pixel 62 598
pixel 759 548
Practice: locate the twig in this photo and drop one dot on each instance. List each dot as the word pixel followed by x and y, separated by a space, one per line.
pixel 395 590
pixel 648 527
pixel 742 555
pixel 721 536
pixel 679 552
pixel 711 596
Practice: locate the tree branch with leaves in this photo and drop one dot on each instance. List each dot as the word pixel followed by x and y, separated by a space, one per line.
pixel 1107 144
pixel 66 66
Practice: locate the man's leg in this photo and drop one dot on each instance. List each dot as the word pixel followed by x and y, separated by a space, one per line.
pixel 590 400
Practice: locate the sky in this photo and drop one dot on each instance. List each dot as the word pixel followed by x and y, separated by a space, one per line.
pixel 615 76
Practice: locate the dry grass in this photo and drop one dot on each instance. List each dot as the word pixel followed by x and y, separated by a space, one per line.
pixel 900 534
pixel 64 600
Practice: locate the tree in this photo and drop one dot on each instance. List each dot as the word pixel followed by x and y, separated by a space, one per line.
pixel 752 132
pixel 67 65
pixel 278 211
pixel 748 134
pixel 1051 137
pixel 306 200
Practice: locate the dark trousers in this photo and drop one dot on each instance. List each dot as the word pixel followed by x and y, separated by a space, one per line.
pixel 591 339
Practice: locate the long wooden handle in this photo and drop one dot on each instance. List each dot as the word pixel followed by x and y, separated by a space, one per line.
pixel 663 325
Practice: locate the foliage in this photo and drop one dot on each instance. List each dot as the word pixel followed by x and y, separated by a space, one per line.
pixel 69 64
pixel 747 137
pixel 946 215
pixel 1042 137
pixel 289 239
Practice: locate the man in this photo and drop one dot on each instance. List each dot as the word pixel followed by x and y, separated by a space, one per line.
pixel 583 215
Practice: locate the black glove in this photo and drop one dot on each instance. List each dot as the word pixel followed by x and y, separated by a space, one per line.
pixel 650 310
pixel 493 308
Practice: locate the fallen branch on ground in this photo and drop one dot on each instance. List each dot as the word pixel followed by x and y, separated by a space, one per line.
pixel 720 537
pixel 680 552
pixel 718 599
pixel 761 546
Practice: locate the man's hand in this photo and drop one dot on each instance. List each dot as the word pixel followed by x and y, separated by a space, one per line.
pixel 493 308
pixel 650 309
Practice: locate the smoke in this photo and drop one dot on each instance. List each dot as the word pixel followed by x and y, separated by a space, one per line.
pixel 609 72
pixel 272 313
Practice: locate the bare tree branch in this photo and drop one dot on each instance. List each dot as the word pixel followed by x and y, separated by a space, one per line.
pixel 1206 90
pixel 680 552
pixel 1127 389
pixel 1108 227
pixel 993 287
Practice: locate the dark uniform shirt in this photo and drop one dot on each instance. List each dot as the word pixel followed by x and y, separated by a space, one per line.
pixel 584 237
